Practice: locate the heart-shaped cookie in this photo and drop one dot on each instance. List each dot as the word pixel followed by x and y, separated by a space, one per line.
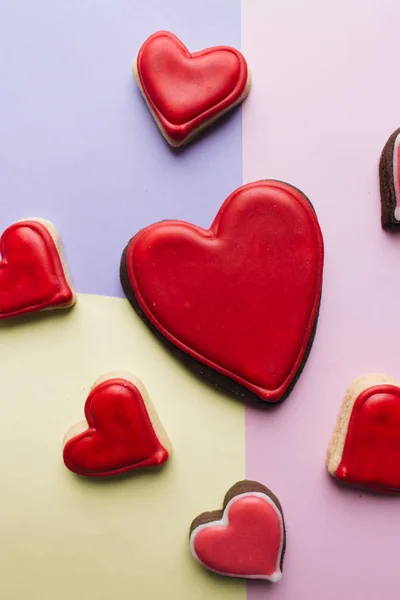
pixel 122 431
pixel 365 447
pixel 187 92
pixel 246 538
pixel 33 272
pixel 240 300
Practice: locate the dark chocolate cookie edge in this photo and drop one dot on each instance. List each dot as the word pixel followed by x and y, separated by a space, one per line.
pixel 386 184
pixel 241 487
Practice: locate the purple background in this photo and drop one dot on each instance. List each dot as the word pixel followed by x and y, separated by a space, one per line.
pixel 78 144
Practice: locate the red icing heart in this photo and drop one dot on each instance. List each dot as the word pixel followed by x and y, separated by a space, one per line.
pixel 31 273
pixel 246 542
pixel 120 436
pixel 371 454
pixel 241 297
pixel 186 90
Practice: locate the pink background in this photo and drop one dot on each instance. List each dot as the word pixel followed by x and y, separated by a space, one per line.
pixel 325 98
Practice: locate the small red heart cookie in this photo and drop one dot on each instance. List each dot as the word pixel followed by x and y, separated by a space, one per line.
pixel 246 538
pixel 240 300
pixel 122 431
pixel 33 272
pixel 365 446
pixel 187 92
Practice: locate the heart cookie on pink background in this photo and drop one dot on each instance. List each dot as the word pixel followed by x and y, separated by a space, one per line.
pixel 246 538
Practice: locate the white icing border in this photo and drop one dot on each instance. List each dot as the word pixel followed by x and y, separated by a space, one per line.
pixel 396 177
pixel 224 521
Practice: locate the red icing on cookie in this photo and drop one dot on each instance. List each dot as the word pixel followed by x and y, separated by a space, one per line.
pixel 186 90
pixel 241 297
pixel 120 435
pixel 246 542
pixel 371 454
pixel 32 277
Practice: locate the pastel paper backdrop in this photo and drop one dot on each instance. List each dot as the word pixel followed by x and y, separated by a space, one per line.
pixel 78 144
pixel 325 98
pixel 80 148
pixel 66 537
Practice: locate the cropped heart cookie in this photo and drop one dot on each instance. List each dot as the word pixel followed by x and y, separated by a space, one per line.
pixel 246 538
pixel 122 431
pixel 365 446
pixel 389 178
pixel 186 92
pixel 239 301
pixel 33 272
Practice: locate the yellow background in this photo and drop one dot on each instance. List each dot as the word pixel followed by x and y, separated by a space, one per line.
pixel 64 537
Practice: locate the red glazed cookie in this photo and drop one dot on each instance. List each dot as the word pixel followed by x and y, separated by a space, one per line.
pixel 33 272
pixel 365 446
pixel 121 433
pixel 187 92
pixel 238 302
pixel 246 538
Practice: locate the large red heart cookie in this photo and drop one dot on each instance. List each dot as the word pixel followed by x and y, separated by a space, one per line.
pixel 365 448
pixel 187 92
pixel 122 431
pixel 245 539
pixel 241 299
pixel 33 273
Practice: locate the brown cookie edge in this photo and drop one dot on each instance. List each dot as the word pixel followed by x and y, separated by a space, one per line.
pixel 386 184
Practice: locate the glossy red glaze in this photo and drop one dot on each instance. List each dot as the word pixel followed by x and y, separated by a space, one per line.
pixel 120 436
pixel 371 454
pixel 247 543
pixel 241 297
pixel 185 90
pixel 31 273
